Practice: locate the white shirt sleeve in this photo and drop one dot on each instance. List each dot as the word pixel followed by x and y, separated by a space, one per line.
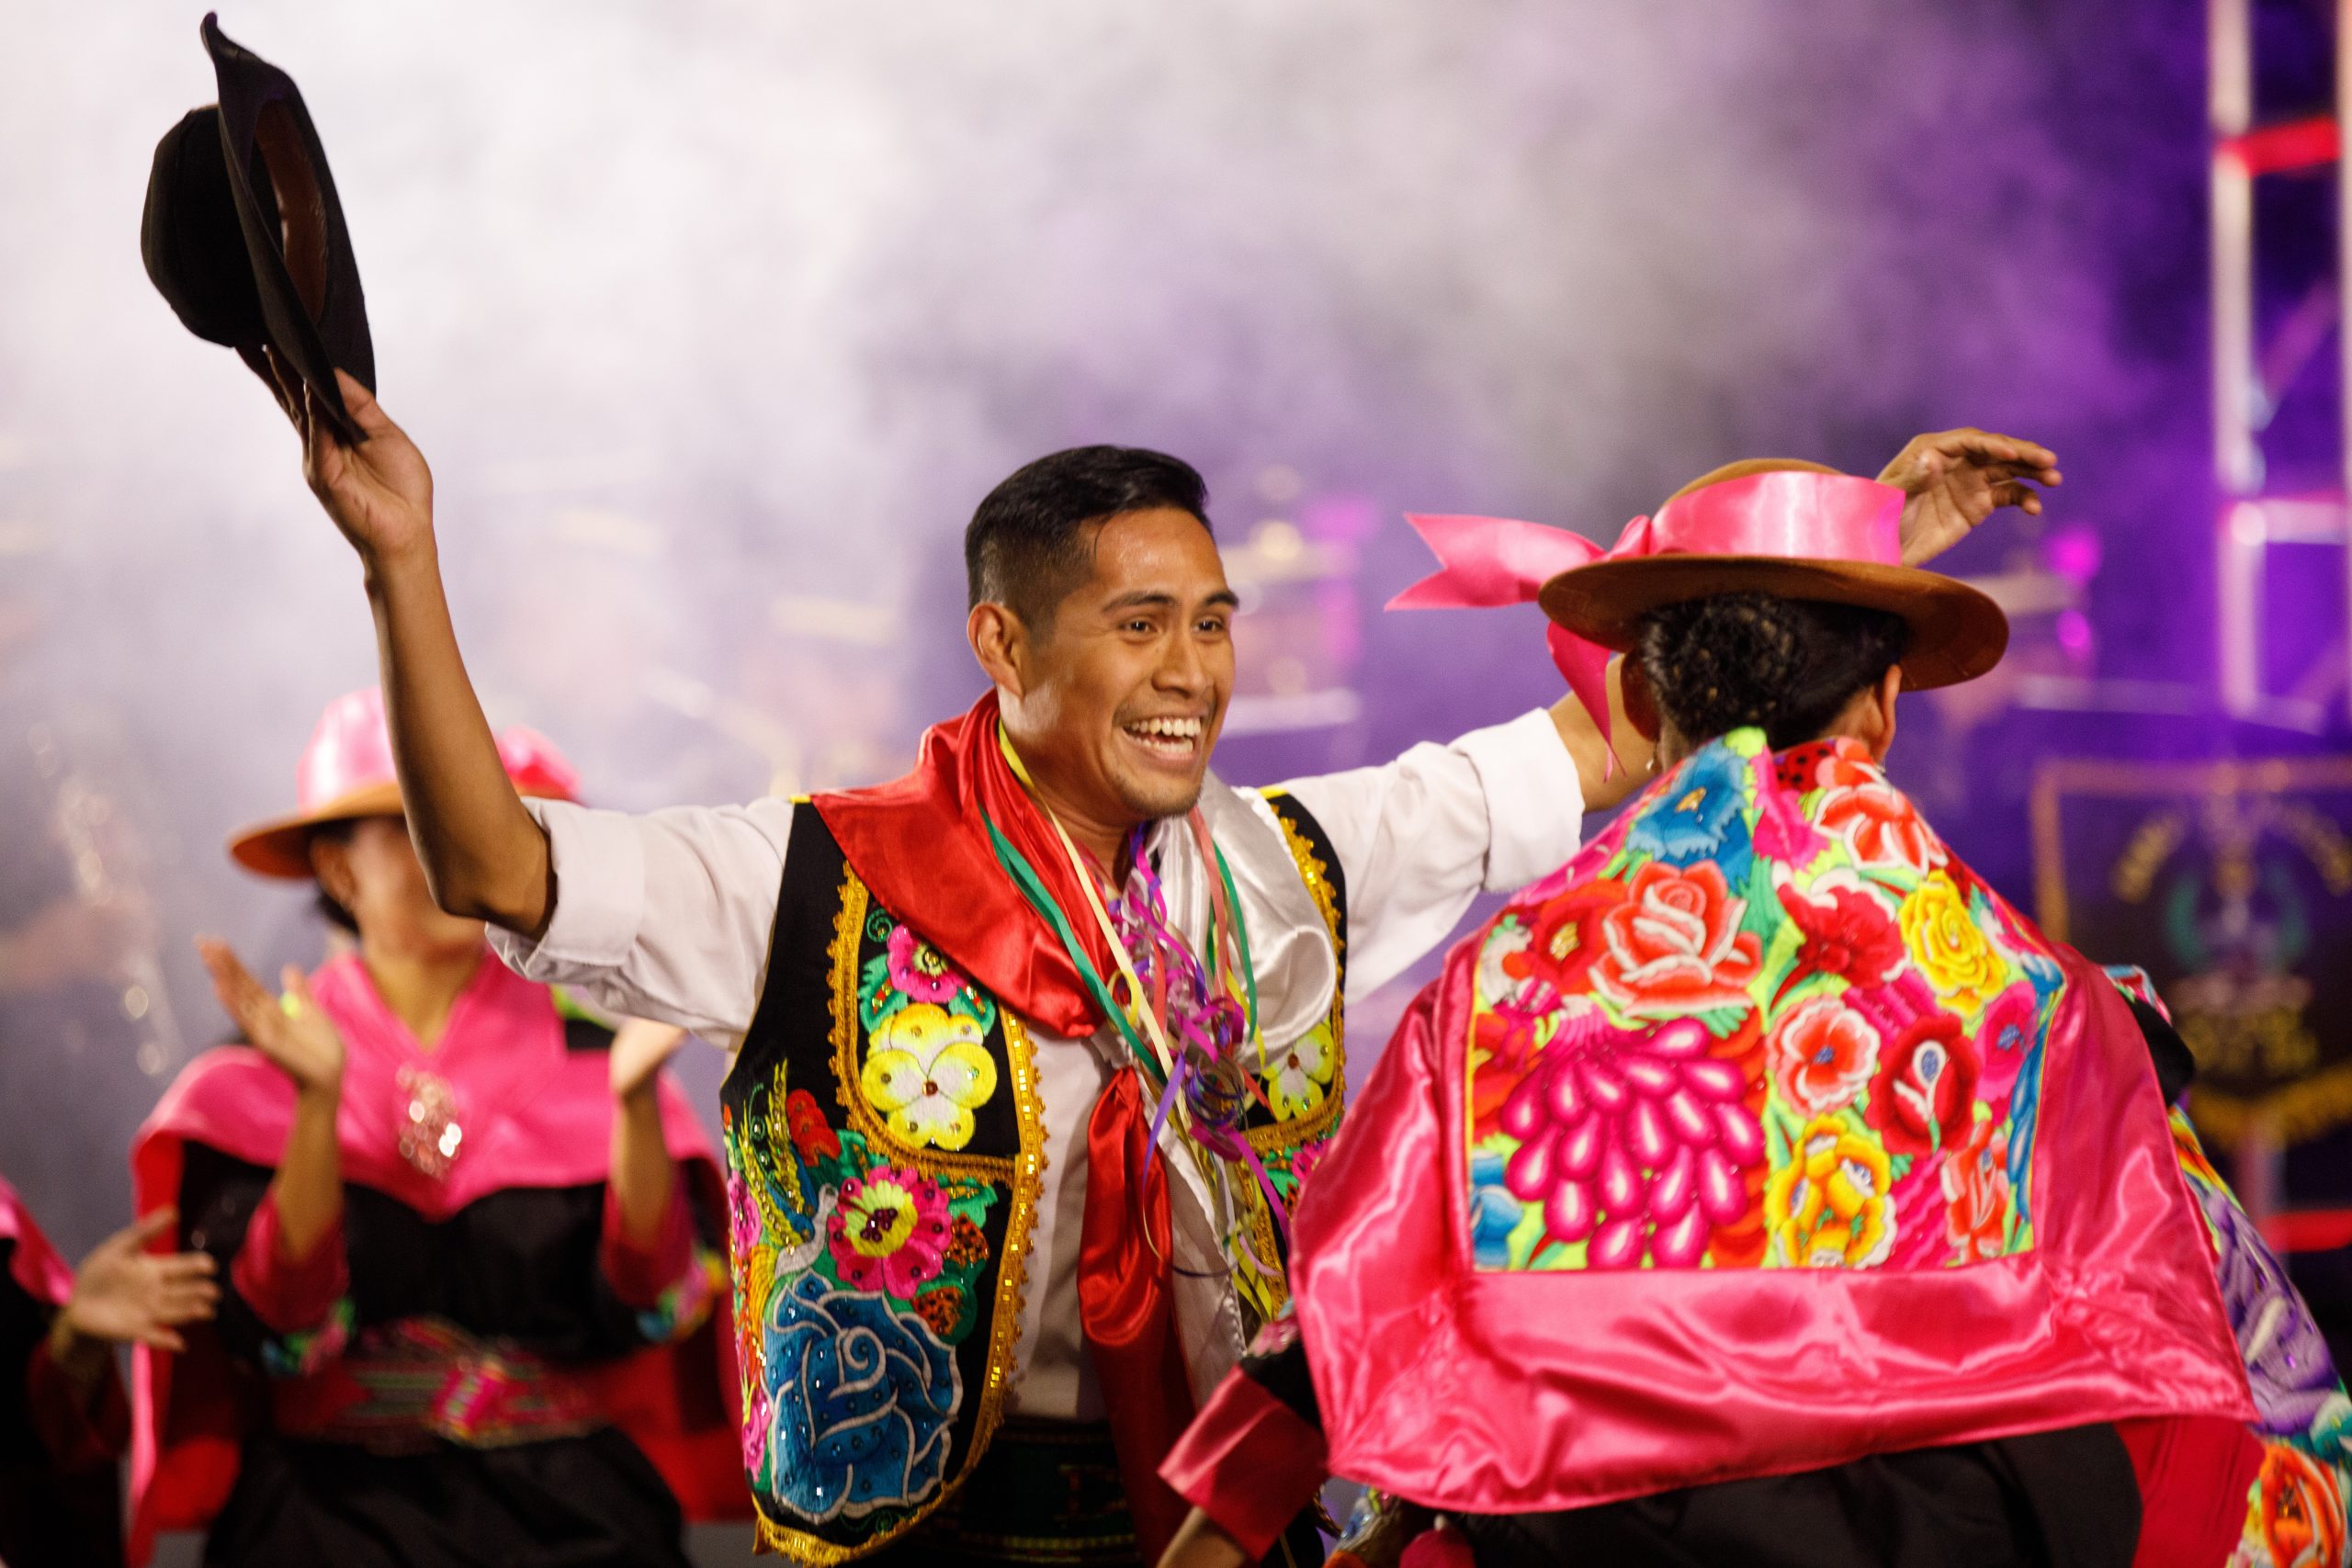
pixel 1418 838
pixel 665 916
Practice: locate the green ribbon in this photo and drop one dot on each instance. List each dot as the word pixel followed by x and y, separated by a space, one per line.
pixel 1033 887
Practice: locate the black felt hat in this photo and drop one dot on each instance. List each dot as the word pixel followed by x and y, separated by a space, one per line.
pixel 244 238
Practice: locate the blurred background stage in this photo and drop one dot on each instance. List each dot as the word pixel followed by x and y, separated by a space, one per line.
pixel 716 318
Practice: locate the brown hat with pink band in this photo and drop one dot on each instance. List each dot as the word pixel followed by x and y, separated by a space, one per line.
pixel 346 773
pixel 1773 526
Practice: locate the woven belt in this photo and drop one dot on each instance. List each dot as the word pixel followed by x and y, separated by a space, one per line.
pixel 400 1388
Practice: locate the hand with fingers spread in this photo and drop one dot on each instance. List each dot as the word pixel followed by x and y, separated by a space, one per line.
pixel 123 1294
pixel 294 1033
pixel 378 492
pixel 1953 480
pixel 639 1049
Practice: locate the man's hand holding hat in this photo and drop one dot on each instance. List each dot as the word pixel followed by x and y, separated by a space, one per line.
pixel 379 493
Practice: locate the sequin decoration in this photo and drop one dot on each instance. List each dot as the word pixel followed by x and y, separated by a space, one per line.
pixel 430 1135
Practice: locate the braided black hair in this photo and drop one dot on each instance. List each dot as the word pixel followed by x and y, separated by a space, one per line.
pixel 1788 666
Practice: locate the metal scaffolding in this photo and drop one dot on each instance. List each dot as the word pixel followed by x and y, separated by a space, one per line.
pixel 2253 368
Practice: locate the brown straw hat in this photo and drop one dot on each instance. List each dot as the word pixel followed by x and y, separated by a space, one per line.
pixel 1794 530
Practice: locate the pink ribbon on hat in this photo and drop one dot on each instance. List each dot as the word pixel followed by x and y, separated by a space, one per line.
pixel 1794 514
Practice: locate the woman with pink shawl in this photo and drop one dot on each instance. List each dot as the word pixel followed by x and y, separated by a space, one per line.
pixel 1762 1187
pixel 471 1241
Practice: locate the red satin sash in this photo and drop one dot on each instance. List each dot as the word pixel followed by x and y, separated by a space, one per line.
pixel 921 845
pixel 1126 1307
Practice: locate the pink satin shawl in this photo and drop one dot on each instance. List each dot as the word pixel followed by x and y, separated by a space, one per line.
pixel 1499 1391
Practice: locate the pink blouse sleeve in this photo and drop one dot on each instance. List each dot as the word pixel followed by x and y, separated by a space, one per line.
pixel 641 1275
pixel 1249 1461
pixel 289 1295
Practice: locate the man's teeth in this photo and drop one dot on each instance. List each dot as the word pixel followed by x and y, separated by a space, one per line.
pixel 1166 729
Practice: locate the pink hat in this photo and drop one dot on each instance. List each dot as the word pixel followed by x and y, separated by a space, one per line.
pixel 346 773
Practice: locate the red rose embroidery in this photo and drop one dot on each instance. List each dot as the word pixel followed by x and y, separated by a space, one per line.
pixel 1847 932
pixel 1567 938
pixel 1675 947
pixel 1925 1093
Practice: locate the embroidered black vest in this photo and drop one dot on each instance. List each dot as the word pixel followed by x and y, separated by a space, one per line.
pixel 884 1151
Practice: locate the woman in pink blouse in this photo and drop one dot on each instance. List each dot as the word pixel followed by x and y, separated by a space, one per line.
pixel 469 1240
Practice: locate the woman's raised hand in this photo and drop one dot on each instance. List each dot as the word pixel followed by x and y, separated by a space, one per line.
pixel 639 1047
pixel 294 1032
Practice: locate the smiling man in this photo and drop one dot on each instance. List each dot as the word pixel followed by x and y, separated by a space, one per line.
pixel 1034 1045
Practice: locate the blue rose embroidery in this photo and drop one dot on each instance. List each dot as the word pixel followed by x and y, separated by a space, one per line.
pixel 1700 818
pixel 1494 1213
pixel 862 1397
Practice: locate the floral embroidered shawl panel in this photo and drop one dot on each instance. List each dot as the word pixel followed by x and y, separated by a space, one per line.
pixel 1823 1146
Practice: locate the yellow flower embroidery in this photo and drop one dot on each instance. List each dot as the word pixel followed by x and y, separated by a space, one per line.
pixel 926 1072
pixel 1949 947
pixel 1829 1208
pixel 1301 1078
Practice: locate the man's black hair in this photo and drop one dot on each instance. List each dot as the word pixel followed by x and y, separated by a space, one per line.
pixel 1027 545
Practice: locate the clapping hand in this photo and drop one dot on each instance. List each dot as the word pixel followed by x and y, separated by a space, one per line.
pixel 295 1034
pixel 124 1293
pixel 1953 480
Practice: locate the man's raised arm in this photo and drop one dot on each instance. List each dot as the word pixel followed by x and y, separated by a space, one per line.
pixel 483 854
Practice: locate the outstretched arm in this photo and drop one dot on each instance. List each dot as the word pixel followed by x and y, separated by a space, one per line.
pixel 483 854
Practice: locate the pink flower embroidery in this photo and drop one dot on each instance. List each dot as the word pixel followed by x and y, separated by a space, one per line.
pixel 2005 1037
pixel 1822 1055
pixel 755 1425
pixel 1879 827
pixel 917 970
pixel 1780 833
pixel 743 1218
pixel 1636 1140
pixel 889 1232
